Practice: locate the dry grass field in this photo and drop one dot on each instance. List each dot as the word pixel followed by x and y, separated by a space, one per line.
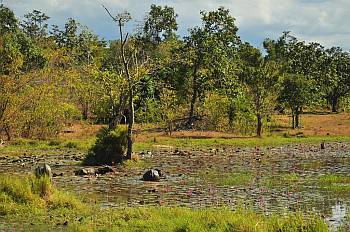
pixel 312 125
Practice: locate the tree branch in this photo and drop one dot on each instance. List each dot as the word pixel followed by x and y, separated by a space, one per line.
pixel 109 13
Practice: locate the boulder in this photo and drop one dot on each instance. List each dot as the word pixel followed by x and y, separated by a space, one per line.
pixel 85 172
pixel 43 170
pixel 103 170
pixel 56 175
pixel 152 175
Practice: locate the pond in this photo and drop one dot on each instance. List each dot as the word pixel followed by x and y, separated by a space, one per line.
pixel 283 179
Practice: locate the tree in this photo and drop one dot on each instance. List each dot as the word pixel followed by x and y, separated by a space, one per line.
pixel 69 36
pixel 35 24
pixel 336 75
pixel 300 61
pixel 208 54
pixel 160 23
pixel 260 77
pixel 8 21
pixel 134 67
pixel 295 93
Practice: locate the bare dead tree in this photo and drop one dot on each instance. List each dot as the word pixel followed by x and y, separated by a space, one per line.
pixel 121 19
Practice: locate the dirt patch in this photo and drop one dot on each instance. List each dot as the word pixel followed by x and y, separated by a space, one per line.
pixel 316 124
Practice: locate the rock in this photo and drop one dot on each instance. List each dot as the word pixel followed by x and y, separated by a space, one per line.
pixel 85 172
pixel 55 174
pixel 43 170
pixel 152 175
pixel 103 170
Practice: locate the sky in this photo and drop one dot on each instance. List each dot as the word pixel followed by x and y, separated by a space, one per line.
pixel 322 21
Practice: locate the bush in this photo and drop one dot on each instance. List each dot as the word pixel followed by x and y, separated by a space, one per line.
pixel 42 186
pixel 109 148
pixel 27 190
pixel 71 144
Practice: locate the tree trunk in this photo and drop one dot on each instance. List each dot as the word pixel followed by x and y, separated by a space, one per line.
pixel 334 104
pixel 194 96
pixel 130 88
pixel 259 126
pixel 85 111
pixel 193 103
pixel 293 119
pixel 297 117
pixel 130 122
pixel 8 134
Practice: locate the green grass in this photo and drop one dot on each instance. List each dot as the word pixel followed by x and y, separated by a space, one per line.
pixel 19 145
pixel 287 179
pixel 237 142
pixel 237 178
pixel 334 183
pixel 23 207
pixel 333 179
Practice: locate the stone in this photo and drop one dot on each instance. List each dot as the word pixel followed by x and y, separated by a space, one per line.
pixel 103 170
pixel 85 172
pixel 43 170
pixel 152 175
pixel 56 175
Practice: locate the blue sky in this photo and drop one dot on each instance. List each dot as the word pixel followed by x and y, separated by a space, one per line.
pixel 323 21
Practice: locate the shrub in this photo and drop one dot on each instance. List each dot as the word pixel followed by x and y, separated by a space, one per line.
pixel 42 186
pixel 27 190
pixel 53 143
pixel 71 144
pixel 64 200
pixel 109 148
pixel 16 189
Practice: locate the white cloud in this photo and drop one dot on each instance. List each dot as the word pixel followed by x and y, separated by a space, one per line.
pixel 324 21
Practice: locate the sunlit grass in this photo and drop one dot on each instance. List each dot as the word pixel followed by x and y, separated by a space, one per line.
pixel 237 178
pixel 286 179
pixel 235 142
pixel 334 183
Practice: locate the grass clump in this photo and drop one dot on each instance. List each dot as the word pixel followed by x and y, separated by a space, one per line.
pixel 288 179
pixel 109 148
pixel 71 144
pixel 333 179
pixel 238 178
pixel 16 190
pixel 334 183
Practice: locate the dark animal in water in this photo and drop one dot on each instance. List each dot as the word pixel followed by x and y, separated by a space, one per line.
pixel 152 175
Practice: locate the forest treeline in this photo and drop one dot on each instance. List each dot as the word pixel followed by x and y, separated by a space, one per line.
pixel 209 79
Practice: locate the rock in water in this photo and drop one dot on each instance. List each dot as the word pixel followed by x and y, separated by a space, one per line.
pixel 152 175
pixel 85 172
pixel 103 170
pixel 43 170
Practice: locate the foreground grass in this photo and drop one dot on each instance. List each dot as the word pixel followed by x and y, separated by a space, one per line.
pixel 35 205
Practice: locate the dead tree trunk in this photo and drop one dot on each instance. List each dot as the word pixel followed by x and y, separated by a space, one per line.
pixel 130 90
pixel 120 20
